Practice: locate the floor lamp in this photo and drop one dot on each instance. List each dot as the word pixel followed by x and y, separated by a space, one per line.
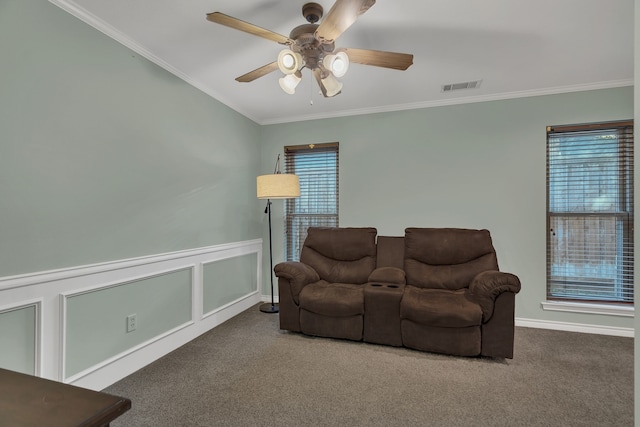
pixel 275 186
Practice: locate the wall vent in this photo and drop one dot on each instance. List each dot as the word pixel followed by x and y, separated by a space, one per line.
pixel 459 86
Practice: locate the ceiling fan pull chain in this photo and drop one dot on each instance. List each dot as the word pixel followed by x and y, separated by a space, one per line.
pixel 311 95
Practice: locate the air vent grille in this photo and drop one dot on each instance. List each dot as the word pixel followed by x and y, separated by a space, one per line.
pixel 460 86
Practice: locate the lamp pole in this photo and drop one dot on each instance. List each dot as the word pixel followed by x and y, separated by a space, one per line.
pixel 270 308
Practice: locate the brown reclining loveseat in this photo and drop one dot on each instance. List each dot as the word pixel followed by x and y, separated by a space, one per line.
pixel 435 289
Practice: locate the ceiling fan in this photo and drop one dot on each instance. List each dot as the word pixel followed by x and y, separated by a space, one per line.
pixel 312 46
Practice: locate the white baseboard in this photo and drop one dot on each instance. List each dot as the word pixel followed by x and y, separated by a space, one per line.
pixel 120 367
pixel 575 327
pixel 267 298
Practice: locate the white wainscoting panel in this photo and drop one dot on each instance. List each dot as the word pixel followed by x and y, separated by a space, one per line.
pixel 37 330
pixel 50 290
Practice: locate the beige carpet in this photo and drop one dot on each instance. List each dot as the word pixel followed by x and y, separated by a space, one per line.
pixel 247 372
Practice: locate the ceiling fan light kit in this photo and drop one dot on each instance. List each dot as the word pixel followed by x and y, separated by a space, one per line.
pixel 312 46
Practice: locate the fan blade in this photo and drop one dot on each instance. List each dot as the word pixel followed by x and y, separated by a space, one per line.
pixel 226 20
pixel 342 15
pixel 258 72
pixel 378 58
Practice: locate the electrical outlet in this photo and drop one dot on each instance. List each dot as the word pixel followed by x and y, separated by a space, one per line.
pixel 131 323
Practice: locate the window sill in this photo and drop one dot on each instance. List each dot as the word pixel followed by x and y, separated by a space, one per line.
pixel 589 308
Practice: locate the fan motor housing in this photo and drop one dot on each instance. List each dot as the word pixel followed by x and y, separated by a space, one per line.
pixel 312 50
pixel 312 12
pixel 303 34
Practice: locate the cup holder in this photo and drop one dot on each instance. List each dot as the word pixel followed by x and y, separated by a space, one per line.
pixel 380 285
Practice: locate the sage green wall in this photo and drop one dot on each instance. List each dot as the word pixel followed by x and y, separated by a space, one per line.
pixel 96 321
pixel 18 339
pixel 106 156
pixel 478 165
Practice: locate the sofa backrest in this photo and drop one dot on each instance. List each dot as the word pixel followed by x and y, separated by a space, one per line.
pixel 390 252
pixel 340 255
pixel 446 258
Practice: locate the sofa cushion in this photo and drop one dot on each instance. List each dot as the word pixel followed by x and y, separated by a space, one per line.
pixel 333 299
pixel 440 307
pixel 346 327
pixel 346 255
pixel 446 258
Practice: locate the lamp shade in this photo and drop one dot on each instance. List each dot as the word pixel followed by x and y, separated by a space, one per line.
pixel 278 186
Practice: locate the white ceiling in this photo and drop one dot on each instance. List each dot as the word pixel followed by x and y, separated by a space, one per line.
pixel 516 47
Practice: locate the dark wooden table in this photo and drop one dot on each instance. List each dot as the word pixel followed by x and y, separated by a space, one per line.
pixel 27 401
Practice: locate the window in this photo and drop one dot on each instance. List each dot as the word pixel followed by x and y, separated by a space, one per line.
pixel 317 167
pixel 590 212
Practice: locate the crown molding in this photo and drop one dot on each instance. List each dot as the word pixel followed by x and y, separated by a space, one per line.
pixel 455 101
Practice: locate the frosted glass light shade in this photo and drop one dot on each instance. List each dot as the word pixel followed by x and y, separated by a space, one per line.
pixel 337 63
pixel 278 186
pixel 289 61
pixel 289 82
pixel 332 85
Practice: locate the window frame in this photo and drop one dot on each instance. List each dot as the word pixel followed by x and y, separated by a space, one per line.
pixel 622 216
pixel 293 219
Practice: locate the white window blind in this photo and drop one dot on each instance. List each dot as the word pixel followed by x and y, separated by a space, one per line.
pixel 590 212
pixel 317 168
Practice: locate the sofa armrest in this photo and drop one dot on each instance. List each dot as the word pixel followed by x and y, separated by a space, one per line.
pixel 486 287
pixel 388 275
pixel 298 274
